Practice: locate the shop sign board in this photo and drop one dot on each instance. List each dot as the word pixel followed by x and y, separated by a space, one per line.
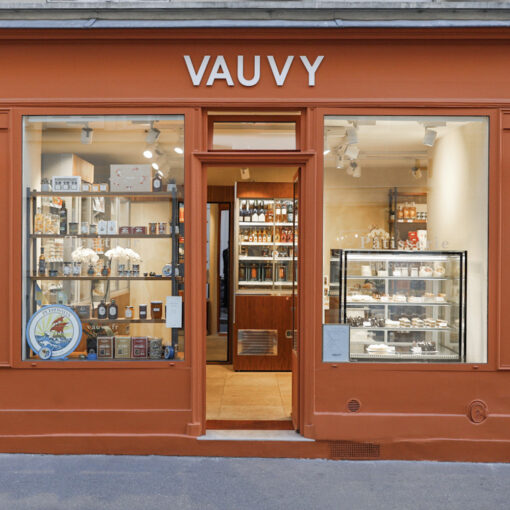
pixel 54 331
pixel 220 70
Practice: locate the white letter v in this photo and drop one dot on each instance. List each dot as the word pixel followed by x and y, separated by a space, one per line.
pixel 196 77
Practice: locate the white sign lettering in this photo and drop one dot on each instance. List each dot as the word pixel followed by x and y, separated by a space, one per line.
pixel 221 71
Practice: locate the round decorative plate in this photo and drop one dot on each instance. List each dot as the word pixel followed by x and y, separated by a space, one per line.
pixel 54 331
pixel 167 270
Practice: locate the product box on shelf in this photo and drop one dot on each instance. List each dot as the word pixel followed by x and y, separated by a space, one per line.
pixel 71 183
pixel 139 230
pixel 112 227
pixel 105 347
pixel 139 347
pixel 130 178
pixel 122 347
pixel 125 230
pixel 83 311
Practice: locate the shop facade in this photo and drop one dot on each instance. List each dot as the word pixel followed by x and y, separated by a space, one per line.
pixel 328 85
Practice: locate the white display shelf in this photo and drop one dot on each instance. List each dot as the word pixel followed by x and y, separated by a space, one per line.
pixel 413 278
pixel 253 243
pixel 269 259
pixel 395 303
pixel 256 224
pixel 400 329
pixel 405 356
pixel 256 283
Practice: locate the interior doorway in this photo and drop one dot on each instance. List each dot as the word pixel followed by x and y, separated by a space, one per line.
pixel 253 386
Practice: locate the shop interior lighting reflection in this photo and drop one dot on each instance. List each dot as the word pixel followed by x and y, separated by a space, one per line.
pixel 179 150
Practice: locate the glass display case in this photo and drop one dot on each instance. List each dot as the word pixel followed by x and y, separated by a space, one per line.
pixel 266 239
pixel 403 305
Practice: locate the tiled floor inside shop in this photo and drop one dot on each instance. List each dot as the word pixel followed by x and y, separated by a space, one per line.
pixel 248 395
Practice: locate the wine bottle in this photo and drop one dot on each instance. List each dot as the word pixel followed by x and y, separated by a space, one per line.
pixel 63 219
pixel 42 263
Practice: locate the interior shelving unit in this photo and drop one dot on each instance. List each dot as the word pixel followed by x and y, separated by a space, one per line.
pixel 81 210
pixel 266 266
pixel 418 315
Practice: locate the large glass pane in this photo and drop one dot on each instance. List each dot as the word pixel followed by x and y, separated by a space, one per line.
pixel 405 237
pixel 256 135
pixel 103 243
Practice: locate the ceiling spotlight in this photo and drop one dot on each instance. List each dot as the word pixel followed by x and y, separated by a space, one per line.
pixel 147 153
pixel 245 173
pixel 326 151
pixel 86 135
pixel 356 169
pixel 430 137
pixel 155 165
pixel 152 134
pixel 352 151
pixel 416 172
pixel 178 150
pixel 352 135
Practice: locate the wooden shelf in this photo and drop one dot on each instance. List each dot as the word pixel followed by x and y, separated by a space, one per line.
pixel 124 321
pixel 151 194
pixel 98 236
pixel 165 278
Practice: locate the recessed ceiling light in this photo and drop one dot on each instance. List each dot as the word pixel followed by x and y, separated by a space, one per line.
pixel 178 150
pixel 326 151
pixel 155 165
pixel 147 153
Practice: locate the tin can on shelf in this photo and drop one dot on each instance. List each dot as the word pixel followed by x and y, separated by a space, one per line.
pixel 139 347
pixel 142 311
pixel 93 229
pixel 153 228
pixel 156 309
pixel 73 228
pixel 84 227
pixel 155 348
pixel 162 228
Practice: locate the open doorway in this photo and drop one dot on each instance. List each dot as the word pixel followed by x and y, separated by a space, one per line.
pixel 253 386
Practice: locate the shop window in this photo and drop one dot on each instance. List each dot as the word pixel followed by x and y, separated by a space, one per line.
pixel 103 238
pixel 405 239
pixel 228 135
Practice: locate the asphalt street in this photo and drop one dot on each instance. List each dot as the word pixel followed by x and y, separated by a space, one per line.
pixel 45 482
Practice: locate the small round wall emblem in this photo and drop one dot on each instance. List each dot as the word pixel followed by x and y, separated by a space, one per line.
pixel 54 332
pixel 478 411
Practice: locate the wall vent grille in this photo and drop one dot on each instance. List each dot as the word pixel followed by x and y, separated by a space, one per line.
pixel 354 405
pixel 353 450
pixel 257 342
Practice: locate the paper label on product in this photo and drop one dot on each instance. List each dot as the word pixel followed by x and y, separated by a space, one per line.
pixel 174 312
pixel 335 343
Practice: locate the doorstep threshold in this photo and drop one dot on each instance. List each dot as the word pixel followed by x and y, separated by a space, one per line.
pixel 253 435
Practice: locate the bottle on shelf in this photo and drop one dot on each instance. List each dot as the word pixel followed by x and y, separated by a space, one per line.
pixel 254 272
pixel 157 181
pixel 259 236
pixel 283 236
pixel 270 213
pixel 283 218
pixel 42 263
pixel 400 213
pixel 277 235
pixel 254 212
pixel 242 211
pixel 269 236
pixel 248 212
pixel 39 222
pixel 264 236
pixel 113 310
pixel 62 214
pixel 290 213
pixel 250 236
pixel 278 212
pixel 262 212
pixel 102 312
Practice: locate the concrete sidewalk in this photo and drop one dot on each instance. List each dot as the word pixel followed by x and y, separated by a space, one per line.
pixel 45 482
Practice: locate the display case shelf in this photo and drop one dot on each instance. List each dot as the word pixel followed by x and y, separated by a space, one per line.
pixel 403 329
pixel 415 278
pixel 393 303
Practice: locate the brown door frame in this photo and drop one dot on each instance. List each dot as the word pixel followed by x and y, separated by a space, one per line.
pixel 307 288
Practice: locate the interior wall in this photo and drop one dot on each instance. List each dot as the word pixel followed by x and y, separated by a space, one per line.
pixel 213 267
pixel 458 217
